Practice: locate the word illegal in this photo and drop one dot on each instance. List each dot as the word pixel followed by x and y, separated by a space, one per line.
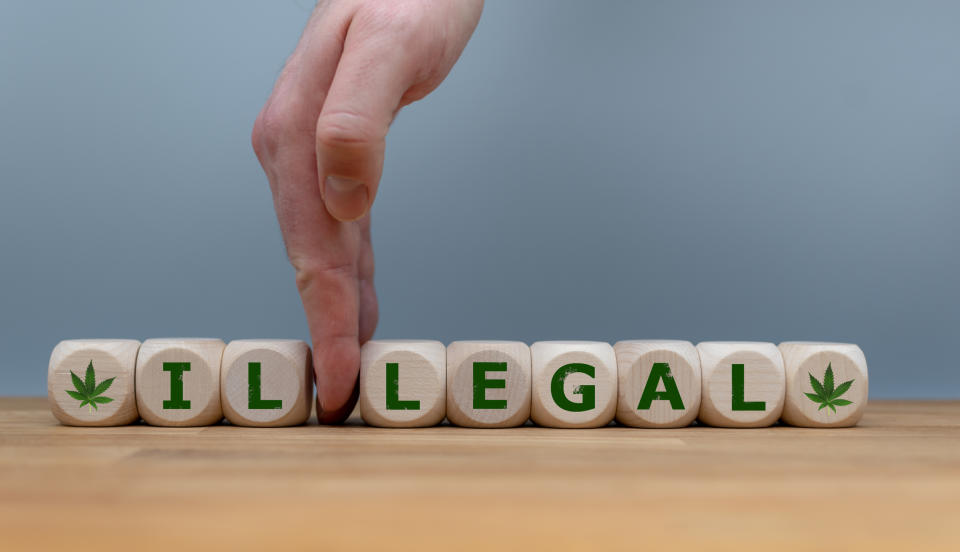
pixel 482 384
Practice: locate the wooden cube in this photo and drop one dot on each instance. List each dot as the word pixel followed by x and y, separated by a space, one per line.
pixel 827 384
pixel 574 383
pixel 403 383
pixel 659 383
pixel 90 382
pixel 743 384
pixel 266 382
pixel 488 383
pixel 178 381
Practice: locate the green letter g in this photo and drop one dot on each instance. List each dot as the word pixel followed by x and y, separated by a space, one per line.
pixel 588 392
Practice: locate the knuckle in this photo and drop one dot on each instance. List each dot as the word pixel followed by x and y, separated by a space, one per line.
pixel 258 138
pixel 267 131
pixel 340 129
pixel 276 124
pixel 311 274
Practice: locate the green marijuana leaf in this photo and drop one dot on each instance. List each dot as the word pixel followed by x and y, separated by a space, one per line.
pixel 825 394
pixel 88 391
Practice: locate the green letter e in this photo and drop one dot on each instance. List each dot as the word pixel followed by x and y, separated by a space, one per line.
pixel 481 384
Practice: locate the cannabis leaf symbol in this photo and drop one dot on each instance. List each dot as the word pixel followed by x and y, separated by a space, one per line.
pixel 825 394
pixel 88 392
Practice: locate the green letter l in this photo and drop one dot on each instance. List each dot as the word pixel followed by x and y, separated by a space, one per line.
pixel 254 402
pixel 393 390
pixel 738 403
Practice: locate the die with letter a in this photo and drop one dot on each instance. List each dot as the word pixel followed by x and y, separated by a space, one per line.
pixel 659 383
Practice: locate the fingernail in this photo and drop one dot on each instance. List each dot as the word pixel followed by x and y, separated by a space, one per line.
pixel 346 199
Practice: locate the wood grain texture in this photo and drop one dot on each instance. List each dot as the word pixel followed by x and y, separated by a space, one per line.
pixel 635 363
pixel 804 359
pixel 416 396
pixel 548 358
pixel 201 383
pixel 110 358
pixel 763 382
pixel 514 406
pixel 892 483
pixel 281 393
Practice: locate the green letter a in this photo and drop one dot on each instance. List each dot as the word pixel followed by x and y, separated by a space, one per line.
pixel 660 372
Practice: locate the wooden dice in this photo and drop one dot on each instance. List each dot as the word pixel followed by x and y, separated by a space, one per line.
pixel 574 383
pixel 659 383
pixel 90 382
pixel 742 384
pixel 403 383
pixel 478 384
pixel 827 384
pixel 488 383
pixel 178 381
pixel 266 383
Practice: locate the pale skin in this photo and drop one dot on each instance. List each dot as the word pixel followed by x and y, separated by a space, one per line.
pixel 320 138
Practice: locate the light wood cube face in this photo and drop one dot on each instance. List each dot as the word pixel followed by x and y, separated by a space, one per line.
pixel 827 384
pixel 266 382
pixel 90 382
pixel 178 381
pixel 488 383
pixel 403 383
pixel 659 383
pixel 574 383
pixel 743 384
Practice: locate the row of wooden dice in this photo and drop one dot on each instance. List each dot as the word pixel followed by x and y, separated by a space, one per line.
pixel 484 384
pixel 180 382
pixel 584 384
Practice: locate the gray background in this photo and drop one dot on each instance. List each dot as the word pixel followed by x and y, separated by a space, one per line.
pixel 699 170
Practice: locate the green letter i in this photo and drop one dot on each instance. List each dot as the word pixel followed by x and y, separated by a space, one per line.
pixel 176 370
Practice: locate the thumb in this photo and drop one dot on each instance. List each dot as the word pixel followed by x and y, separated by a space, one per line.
pixel 365 94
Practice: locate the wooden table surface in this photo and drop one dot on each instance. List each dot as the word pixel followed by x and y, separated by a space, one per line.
pixel 892 483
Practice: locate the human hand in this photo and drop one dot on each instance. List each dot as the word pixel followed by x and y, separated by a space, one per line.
pixel 320 138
